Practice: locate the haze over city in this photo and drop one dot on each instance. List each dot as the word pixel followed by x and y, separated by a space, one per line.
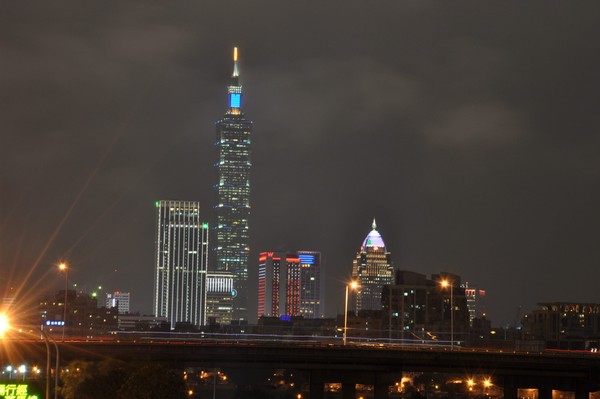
pixel 468 130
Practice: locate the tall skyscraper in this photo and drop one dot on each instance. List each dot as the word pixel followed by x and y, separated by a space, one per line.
pixel 290 284
pixel 372 269
pixel 233 194
pixel 181 263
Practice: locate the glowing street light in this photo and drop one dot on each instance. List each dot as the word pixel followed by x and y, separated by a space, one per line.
pixel 445 284
pixel 64 268
pixel 4 324
pixel 353 286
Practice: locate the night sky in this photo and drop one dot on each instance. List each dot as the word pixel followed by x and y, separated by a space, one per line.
pixel 469 130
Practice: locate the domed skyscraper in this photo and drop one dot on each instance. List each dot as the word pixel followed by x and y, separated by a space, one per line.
pixel 372 269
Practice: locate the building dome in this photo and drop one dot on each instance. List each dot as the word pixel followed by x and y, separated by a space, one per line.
pixel 373 239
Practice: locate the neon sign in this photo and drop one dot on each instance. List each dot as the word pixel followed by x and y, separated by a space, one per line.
pixel 16 391
pixel 307 259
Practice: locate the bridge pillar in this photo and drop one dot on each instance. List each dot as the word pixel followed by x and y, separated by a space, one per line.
pixel 581 392
pixel 544 393
pixel 381 390
pixel 316 390
pixel 348 390
pixel 510 392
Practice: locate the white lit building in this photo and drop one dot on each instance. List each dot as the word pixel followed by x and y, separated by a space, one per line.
pixel 181 263
pixel 119 300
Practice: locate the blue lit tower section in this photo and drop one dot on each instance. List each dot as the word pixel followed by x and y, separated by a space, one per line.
pixel 311 285
pixel 372 269
pixel 233 195
pixel 181 263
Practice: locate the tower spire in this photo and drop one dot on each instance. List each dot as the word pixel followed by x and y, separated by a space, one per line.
pixel 374 225
pixel 235 64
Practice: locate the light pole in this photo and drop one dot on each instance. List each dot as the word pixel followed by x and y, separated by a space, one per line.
pixel 64 268
pixel 446 283
pixel 352 285
pixel 46 341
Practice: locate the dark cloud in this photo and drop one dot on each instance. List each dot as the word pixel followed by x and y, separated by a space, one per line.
pixel 469 130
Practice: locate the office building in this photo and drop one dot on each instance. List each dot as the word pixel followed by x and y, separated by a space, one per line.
pixel 290 284
pixel 372 269
pixel 181 263
pixel 233 194
pixel 278 284
pixel 312 292
pixel 475 301
pixel 219 297
pixel 119 300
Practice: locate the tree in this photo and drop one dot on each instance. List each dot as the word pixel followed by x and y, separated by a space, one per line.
pixel 153 381
pixel 92 380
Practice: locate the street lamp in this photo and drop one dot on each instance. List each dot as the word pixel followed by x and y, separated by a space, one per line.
pixel 352 285
pixel 4 324
pixel 64 268
pixel 445 284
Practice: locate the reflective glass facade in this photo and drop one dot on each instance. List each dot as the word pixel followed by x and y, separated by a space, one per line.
pixel 233 195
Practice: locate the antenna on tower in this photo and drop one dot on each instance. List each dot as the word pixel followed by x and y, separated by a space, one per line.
pixel 235 59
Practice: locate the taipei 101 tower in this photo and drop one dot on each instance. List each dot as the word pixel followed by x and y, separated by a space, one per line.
pixel 232 246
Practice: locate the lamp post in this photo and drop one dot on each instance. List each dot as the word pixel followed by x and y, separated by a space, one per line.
pixel 352 285
pixel 446 283
pixel 64 268
pixel 46 341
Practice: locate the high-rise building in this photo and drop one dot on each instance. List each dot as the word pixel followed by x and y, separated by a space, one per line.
pixel 278 284
pixel 312 290
pixel 372 269
pixel 181 263
pixel 290 284
pixel 119 300
pixel 219 294
pixel 233 194
pixel 475 301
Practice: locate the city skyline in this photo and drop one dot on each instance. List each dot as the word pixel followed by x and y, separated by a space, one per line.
pixel 468 131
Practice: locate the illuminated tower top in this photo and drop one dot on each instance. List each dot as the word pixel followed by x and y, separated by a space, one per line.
pixel 234 90
pixel 373 239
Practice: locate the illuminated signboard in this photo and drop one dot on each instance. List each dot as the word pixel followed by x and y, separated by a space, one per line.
pixel 235 100
pixel 307 259
pixel 16 391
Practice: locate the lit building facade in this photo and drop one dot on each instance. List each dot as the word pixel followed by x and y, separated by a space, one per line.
pixel 475 301
pixel 181 263
pixel 233 195
pixel 312 304
pixel 372 269
pixel 219 296
pixel 278 284
pixel 290 284
pixel 119 300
